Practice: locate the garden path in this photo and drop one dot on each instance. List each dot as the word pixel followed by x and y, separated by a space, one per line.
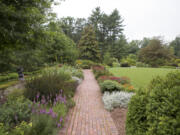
pixel 89 117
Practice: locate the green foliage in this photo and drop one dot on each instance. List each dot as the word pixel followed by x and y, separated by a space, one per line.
pixel 2 129
pixel 15 32
pixel 73 71
pixel 61 109
pixel 50 82
pixel 157 110
pixel 136 123
pixel 155 53
pixel 108 28
pixel 120 49
pixel 116 64
pixel 21 129
pixel 42 125
pixel 108 60
pixel 5 85
pixel 130 59
pixel 15 110
pixel 73 27
pixel 8 77
pixel 176 46
pixel 140 64
pixel 85 64
pixel 100 71
pixel 88 45
pixel 16 93
pixel 110 86
pixel 125 64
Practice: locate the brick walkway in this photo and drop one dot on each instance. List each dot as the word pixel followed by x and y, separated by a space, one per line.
pixel 89 117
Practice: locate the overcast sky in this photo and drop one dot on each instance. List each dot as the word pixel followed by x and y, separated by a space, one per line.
pixel 142 18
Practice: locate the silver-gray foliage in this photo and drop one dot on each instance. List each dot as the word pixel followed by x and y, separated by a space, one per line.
pixel 116 99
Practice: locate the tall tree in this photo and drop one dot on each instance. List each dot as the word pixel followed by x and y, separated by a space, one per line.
pixel 108 28
pixel 176 45
pixel 119 49
pixel 155 53
pixel 72 27
pixel 88 45
pixel 22 21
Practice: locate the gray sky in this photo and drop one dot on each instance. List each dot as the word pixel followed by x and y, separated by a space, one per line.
pixel 143 18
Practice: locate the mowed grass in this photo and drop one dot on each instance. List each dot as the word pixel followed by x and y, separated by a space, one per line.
pixel 140 77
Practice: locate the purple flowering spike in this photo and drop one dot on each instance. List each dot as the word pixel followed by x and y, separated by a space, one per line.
pixel 50 111
pixel 61 119
pixel 58 125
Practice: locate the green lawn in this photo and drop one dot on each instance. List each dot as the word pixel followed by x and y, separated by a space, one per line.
pixel 140 77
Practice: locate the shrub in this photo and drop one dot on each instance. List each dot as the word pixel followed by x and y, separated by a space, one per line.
pixel 8 77
pixel 116 64
pixel 130 60
pixel 15 110
pixel 16 93
pixel 100 71
pixel 108 60
pixel 136 123
pixel 2 129
pixel 110 86
pixel 129 88
pixel 116 99
pixel 49 83
pixel 21 129
pixel 121 80
pixel 125 64
pixel 157 111
pixel 85 64
pixel 43 125
pixel 140 64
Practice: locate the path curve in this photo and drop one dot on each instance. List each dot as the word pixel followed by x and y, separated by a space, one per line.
pixel 89 117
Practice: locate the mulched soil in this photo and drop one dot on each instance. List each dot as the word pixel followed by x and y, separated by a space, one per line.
pixel 119 117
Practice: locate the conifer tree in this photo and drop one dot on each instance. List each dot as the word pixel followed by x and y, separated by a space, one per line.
pixel 88 45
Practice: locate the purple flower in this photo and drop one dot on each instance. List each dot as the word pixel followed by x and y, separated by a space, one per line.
pixel 42 111
pixel 58 125
pixel 61 119
pixel 50 111
pixel 54 115
pixel 37 96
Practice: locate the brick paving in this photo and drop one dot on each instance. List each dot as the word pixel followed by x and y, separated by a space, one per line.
pixel 89 117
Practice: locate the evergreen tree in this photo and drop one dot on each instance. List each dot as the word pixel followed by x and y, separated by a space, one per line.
pixel 88 45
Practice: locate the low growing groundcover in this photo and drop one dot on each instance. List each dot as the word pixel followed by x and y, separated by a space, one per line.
pixel 140 77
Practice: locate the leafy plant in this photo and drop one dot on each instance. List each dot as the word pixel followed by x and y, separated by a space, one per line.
pixel 15 110
pixel 85 64
pixel 116 99
pixel 121 80
pixel 8 77
pixel 43 125
pixel 100 71
pixel 49 83
pixel 156 111
pixel 110 86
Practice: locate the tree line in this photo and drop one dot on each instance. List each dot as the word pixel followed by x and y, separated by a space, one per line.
pixel 31 36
